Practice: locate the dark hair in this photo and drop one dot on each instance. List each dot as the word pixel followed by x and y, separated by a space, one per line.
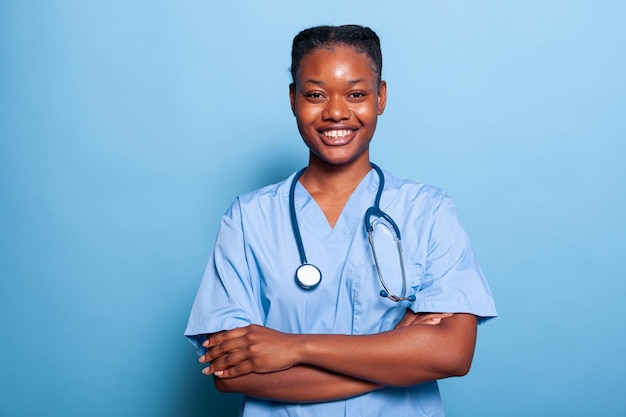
pixel 361 38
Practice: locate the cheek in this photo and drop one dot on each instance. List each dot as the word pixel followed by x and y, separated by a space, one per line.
pixel 306 115
pixel 367 115
pixel 306 129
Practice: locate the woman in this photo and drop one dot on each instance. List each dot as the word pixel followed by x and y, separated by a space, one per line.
pixel 370 328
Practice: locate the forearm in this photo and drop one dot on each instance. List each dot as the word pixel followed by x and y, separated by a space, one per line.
pixel 402 357
pixel 408 355
pixel 298 384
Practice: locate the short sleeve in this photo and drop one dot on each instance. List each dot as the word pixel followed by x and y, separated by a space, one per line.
pixel 453 281
pixel 226 298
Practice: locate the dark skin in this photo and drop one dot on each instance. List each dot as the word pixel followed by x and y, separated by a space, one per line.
pixel 336 100
pixel 335 378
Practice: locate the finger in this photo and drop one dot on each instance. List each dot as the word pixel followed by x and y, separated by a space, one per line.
pixel 210 339
pixel 228 360
pixel 224 348
pixel 423 318
pixel 433 315
pixel 432 318
pixel 239 370
pixel 229 366
pixel 217 338
pixel 219 344
pixel 406 319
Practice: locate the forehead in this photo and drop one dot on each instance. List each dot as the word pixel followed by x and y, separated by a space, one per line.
pixel 337 61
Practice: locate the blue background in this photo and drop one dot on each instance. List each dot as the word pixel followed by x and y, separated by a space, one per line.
pixel 128 127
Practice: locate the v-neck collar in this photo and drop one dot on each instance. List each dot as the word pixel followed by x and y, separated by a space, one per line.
pixel 313 222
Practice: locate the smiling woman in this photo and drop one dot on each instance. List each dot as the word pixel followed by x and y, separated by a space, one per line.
pixel 300 349
pixel 336 99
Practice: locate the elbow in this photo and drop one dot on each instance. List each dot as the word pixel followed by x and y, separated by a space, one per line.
pixel 458 352
pixel 451 364
pixel 460 368
pixel 458 363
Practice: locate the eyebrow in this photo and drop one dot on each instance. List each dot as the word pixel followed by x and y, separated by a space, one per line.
pixel 320 82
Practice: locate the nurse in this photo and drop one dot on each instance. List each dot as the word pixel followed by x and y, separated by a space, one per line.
pixel 386 321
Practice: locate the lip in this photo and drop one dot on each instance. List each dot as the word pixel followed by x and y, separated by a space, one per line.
pixel 341 135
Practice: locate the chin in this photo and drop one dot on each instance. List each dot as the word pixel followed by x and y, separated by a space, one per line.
pixel 338 160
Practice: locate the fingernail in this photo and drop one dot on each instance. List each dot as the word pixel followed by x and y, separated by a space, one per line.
pixel 219 373
pixel 201 358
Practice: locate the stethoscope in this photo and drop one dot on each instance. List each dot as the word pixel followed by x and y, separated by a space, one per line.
pixel 308 276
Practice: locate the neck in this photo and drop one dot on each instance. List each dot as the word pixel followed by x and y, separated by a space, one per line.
pixel 332 185
pixel 324 178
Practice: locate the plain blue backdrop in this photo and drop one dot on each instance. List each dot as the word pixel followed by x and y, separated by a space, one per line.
pixel 127 128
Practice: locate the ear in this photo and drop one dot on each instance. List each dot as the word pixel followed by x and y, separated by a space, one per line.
pixel 382 96
pixel 292 97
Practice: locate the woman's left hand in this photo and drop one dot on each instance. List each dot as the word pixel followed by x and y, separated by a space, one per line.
pixel 249 349
pixel 410 318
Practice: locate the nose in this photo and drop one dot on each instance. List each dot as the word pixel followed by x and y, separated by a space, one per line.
pixel 336 109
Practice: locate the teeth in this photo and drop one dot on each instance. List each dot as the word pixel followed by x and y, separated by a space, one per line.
pixel 337 133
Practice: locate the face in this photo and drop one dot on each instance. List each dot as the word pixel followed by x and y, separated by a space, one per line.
pixel 337 99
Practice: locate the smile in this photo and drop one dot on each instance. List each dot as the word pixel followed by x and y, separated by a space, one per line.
pixel 337 133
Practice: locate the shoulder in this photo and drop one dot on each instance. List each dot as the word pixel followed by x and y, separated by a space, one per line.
pixel 409 191
pixel 262 199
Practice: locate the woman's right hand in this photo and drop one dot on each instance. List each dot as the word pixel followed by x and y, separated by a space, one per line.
pixel 248 349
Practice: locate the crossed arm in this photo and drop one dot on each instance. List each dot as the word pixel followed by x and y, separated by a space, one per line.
pixel 265 363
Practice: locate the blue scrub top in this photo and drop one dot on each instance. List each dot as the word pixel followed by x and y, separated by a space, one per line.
pixel 250 279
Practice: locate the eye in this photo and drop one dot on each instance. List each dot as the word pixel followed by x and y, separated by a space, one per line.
pixel 357 95
pixel 314 96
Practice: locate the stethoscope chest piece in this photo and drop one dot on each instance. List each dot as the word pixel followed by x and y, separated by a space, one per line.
pixel 308 276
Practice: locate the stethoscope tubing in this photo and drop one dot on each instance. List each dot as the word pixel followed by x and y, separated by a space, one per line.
pixel 294 218
pixel 372 211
